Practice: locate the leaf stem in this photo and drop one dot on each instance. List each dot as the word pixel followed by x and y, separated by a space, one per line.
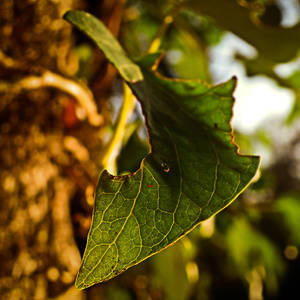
pixel 154 46
pixel 112 150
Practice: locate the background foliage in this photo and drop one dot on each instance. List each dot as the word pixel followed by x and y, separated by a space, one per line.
pixel 52 141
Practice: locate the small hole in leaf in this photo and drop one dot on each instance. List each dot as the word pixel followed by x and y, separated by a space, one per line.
pixel 165 167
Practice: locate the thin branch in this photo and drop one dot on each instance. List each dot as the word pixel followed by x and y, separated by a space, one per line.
pixel 113 148
pixel 50 79
pixel 162 30
pixel 6 61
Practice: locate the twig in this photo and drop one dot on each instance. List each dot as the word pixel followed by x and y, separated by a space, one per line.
pixel 112 150
pixel 50 79
pixel 162 29
pixel 6 61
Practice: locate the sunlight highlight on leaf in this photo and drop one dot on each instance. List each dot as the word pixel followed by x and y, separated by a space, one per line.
pixel 191 173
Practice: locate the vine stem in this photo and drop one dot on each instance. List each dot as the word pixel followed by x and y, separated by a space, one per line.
pixel 49 79
pixel 113 148
pixel 162 30
pixel 128 105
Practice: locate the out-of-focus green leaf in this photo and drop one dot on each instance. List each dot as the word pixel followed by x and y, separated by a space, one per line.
pixel 293 81
pixel 289 207
pixel 85 53
pixel 264 138
pixel 192 172
pixel 115 292
pixel 138 34
pixel 249 248
pixel 188 55
pixel 204 27
pixel 169 273
pixel 96 30
pixel 295 111
pixel 231 16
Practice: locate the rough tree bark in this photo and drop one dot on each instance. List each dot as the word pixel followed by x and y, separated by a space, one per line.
pixel 48 155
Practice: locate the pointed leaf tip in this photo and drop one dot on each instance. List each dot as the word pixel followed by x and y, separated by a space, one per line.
pixel 192 173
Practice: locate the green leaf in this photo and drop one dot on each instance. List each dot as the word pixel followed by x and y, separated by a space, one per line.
pixel 232 16
pixel 249 248
pixel 289 207
pixel 169 273
pixel 103 38
pixel 192 172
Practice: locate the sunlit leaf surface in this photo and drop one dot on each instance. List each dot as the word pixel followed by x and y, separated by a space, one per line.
pixel 192 172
